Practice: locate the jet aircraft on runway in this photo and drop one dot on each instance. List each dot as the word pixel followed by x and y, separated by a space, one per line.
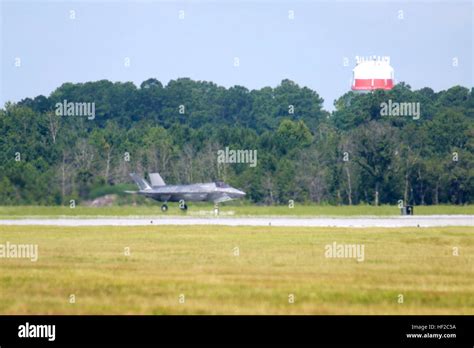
pixel 216 192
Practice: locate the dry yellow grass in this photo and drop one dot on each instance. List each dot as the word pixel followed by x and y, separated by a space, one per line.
pixel 200 263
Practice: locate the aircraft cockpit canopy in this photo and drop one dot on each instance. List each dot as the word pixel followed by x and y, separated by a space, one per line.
pixel 221 184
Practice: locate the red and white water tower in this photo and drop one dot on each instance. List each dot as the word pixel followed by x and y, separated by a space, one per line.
pixel 372 73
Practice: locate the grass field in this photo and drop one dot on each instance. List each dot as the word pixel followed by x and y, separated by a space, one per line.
pixel 200 262
pixel 200 209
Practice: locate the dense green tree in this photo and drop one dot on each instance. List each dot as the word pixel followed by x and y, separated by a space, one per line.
pixel 304 153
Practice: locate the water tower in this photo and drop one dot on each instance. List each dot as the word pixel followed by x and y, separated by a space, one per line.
pixel 372 73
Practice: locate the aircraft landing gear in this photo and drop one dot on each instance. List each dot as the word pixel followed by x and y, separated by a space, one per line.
pixel 182 205
pixel 164 208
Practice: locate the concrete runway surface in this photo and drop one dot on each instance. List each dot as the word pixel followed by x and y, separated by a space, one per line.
pixel 357 222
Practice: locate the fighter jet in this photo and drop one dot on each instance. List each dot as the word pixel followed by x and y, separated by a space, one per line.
pixel 216 192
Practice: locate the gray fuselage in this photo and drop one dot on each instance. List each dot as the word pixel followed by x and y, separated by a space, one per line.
pixel 193 193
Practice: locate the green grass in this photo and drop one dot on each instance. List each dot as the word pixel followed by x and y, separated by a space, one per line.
pixel 198 261
pixel 200 209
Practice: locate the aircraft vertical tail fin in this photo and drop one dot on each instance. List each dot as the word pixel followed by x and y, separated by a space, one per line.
pixel 141 183
pixel 156 179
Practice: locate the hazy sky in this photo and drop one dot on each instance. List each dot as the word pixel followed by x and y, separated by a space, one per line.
pixel 308 49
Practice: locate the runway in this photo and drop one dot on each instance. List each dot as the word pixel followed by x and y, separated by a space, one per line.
pixel 355 222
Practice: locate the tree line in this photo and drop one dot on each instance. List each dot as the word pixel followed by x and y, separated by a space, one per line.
pixel 353 155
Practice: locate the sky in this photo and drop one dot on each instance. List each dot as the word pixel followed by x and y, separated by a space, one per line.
pixel 430 43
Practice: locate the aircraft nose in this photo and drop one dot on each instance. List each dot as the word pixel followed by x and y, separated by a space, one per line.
pixel 235 193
